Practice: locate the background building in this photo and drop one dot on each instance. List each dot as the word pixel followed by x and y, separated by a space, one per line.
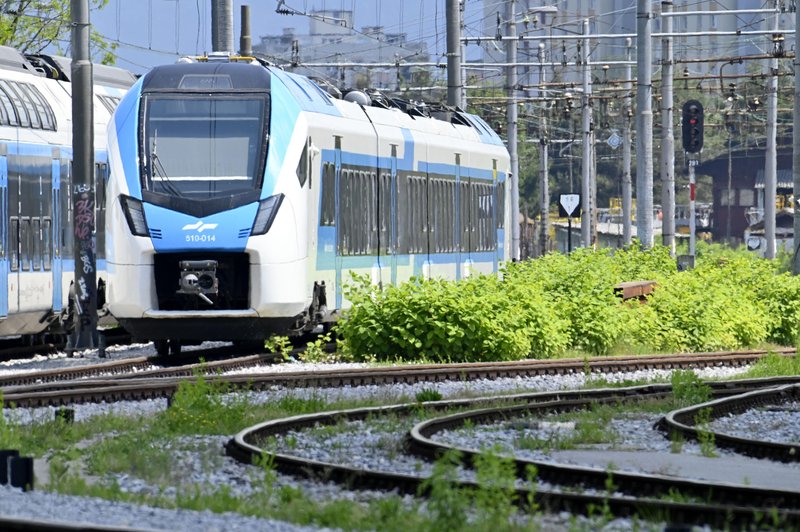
pixel 332 38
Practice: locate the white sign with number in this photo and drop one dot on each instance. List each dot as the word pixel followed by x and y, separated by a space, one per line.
pixel 570 202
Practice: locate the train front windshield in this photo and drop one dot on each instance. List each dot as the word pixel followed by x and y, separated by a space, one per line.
pixel 202 147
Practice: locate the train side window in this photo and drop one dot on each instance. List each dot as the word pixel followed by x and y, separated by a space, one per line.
pixel 36 237
pixel 9 114
pixel 328 214
pixel 302 165
pixel 13 244
pixel 43 109
pixel 25 241
pixel 47 244
pixel 501 204
pixel 24 120
pixel 30 106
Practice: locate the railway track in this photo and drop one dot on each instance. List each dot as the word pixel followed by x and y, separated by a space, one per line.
pixel 722 505
pixel 684 422
pixel 133 379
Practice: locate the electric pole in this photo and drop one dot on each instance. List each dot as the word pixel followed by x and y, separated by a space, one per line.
pixel 84 298
pixel 222 26
pixel 511 118
pixel 543 163
pixel 586 129
pixel 667 135
pixel 644 125
pixel 454 53
pixel 796 147
pixel 246 39
pixel 771 163
pixel 627 192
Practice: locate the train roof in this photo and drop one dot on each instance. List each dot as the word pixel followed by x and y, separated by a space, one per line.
pixel 12 59
pixel 102 74
pixel 211 76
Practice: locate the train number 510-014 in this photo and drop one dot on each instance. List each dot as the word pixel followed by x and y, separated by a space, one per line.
pixel 201 238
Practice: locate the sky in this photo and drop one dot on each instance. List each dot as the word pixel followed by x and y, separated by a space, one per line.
pixel 156 32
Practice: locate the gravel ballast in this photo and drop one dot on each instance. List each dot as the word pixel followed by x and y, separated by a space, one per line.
pixel 241 479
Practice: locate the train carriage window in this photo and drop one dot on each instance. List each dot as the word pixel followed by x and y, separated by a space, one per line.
pixel 25 244
pixel 501 204
pixel 16 101
pixel 46 116
pixel 374 214
pixel 36 237
pixel 9 114
pixel 47 244
pixel 302 165
pixel 65 197
pixel 13 244
pixel 30 105
pixel 328 214
pixel 225 135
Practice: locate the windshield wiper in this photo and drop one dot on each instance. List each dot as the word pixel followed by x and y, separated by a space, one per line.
pixel 155 164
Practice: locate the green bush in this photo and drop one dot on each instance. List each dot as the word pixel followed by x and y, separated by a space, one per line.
pixel 543 307
pixel 439 320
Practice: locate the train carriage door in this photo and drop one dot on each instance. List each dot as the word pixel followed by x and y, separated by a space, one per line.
pixel 337 223
pixel 393 243
pixel 457 217
pixel 52 234
pixel 4 250
pixel 13 230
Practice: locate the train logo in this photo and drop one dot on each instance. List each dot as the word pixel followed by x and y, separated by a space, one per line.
pixel 199 226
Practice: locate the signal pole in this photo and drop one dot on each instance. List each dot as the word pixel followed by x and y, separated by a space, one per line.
pixel 84 299
pixel 692 140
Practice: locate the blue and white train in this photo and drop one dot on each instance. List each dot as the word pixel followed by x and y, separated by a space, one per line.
pixel 242 196
pixel 36 265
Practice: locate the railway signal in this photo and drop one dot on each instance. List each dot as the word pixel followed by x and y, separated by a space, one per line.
pixel 692 124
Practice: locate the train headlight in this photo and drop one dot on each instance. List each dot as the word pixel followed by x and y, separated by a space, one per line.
pixel 134 215
pixel 267 209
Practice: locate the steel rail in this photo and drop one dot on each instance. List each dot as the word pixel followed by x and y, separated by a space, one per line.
pixel 684 421
pixel 420 442
pixel 245 447
pixel 122 368
pixel 111 389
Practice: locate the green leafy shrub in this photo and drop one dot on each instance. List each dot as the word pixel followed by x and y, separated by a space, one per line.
pixel 439 320
pixel 543 307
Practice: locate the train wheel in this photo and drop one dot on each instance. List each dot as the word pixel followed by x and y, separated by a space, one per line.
pixel 174 347
pixel 162 347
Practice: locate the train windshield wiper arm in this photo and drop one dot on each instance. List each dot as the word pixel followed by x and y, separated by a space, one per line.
pixel 155 165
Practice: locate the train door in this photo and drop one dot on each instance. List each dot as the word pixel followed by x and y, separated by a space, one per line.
pixel 466 215
pixel 33 173
pixel 53 234
pixel 4 256
pixel 337 223
pixel 65 237
pixel 13 241
pixel 393 213
pixel 457 221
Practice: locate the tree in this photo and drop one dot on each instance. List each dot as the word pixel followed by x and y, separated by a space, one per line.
pixel 31 26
